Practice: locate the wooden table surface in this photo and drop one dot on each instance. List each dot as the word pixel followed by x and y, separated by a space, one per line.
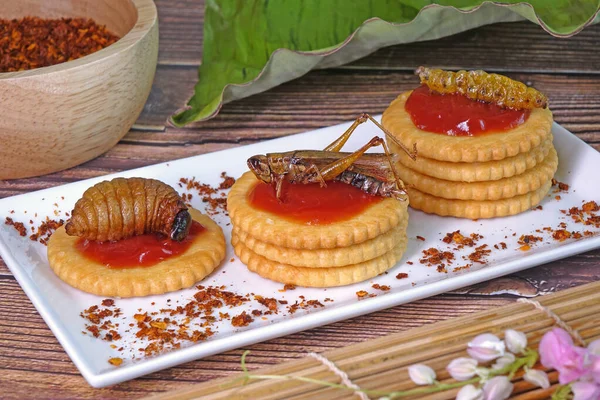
pixel 32 362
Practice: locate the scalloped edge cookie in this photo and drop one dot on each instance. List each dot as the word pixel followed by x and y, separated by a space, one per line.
pixel 476 171
pixel 488 147
pixel 325 258
pixel 317 277
pixel 376 220
pixel 175 273
pixel 473 209
pixel 528 181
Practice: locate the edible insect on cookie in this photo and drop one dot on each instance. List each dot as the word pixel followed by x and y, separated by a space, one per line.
pixel 371 173
pixel 485 144
pixel 122 208
pixel 479 85
pixel 135 237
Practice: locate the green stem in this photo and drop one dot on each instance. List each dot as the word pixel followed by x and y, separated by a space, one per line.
pixel 529 358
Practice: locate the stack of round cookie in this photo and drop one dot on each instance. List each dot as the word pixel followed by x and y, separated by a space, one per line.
pixel 316 255
pixel 486 176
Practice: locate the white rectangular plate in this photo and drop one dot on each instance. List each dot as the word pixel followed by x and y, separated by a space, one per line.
pixel 60 305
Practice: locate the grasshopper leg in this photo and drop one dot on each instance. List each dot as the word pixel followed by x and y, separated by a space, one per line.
pixel 412 154
pixel 338 143
pixel 335 168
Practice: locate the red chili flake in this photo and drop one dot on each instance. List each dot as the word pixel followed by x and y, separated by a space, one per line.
pixel 33 42
pixel 590 207
pixel 461 240
pixel 215 197
pixel 433 256
pixel 421 238
pixel 242 319
pixel 116 361
pixel 466 266
pixel 563 187
pixel 45 230
pixel 480 254
pixel 270 303
pixel 529 239
pixel 561 235
pixel 287 286
pixel 402 275
pixel 108 302
pixel 383 288
pixel 228 181
pixel 19 226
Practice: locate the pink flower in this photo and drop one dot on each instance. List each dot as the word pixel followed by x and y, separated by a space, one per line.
pixel 558 351
pixel 594 359
pixel 585 391
pixel 596 370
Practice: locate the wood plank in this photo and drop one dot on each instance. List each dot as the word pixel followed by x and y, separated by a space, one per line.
pixel 180 31
pixel 498 47
pixel 326 97
pixel 504 47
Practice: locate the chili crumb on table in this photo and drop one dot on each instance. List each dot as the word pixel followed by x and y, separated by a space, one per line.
pixel 33 42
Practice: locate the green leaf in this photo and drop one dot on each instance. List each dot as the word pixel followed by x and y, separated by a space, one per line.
pixel 253 45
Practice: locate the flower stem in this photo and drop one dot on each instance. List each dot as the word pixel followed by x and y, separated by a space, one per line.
pixel 529 358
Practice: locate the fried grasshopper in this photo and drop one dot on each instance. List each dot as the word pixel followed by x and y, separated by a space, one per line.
pixel 370 172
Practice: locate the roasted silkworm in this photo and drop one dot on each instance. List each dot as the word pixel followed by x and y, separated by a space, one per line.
pixel 479 85
pixel 121 208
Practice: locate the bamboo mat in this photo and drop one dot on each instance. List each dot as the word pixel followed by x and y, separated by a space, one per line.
pixel 382 363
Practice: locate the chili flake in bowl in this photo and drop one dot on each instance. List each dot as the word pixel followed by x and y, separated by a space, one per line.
pixel 33 42
pixel 73 79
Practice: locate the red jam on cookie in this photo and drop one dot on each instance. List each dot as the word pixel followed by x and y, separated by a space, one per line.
pixel 137 251
pixel 311 203
pixel 457 115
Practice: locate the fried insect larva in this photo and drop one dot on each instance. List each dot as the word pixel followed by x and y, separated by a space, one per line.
pixel 479 85
pixel 125 207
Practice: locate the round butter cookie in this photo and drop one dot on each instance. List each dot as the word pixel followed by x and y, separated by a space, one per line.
pixel 376 220
pixel 476 171
pixel 476 209
pixel 482 148
pixel 177 272
pixel 325 258
pixel 317 277
pixel 526 182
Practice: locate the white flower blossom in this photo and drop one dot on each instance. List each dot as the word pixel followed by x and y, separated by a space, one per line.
pixel 498 388
pixel 470 392
pixel 537 377
pixel 462 368
pixel 486 347
pixel 421 374
pixel 503 361
pixel 515 341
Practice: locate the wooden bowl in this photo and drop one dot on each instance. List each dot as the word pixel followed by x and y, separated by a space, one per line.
pixel 56 117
